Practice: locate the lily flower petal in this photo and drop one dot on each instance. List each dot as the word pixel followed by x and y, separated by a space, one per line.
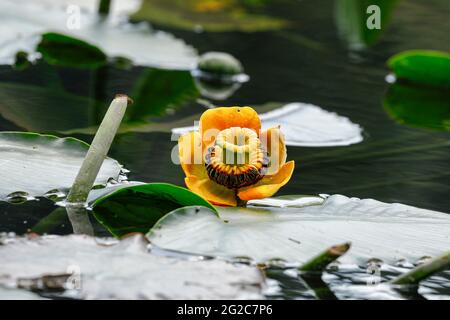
pixel 274 138
pixel 191 156
pixel 215 120
pixel 211 191
pixel 268 185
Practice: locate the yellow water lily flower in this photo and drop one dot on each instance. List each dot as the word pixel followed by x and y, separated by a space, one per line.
pixel 229 160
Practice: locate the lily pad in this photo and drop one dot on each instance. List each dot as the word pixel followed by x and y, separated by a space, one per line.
pixel 61 50
pixel 123 269
pixel 137 208
pixel 389 232
pixel 306 125
pixel 419 107
pixel 216 15
pixel 426 67
pixel 116 38
pixel 34 164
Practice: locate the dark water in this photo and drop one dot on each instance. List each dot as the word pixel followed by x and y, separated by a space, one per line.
pixel 308 63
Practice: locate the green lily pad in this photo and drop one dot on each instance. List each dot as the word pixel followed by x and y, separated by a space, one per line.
pixel 426 67
pixel 61 50
pixel 216 16
pixel 33 164
pixel 389 232
pixel 419 107
pixel 138 207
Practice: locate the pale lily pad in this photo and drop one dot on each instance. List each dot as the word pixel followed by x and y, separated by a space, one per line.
pixel 118 8
pixel 307 125
pixel 17 294
pixel 34 164
pixel 116 38
pixel 124 270
pixel 389 232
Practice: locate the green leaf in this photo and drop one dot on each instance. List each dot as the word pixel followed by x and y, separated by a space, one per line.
pixel 158 90
pixel 34 164
pixel 61 50
pixel 298 229
pixel 137 208
pixel 217 17
pixel 52 109
pixel 426 67
pixel 419 107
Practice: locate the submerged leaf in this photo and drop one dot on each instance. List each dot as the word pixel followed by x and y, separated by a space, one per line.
pixel 51 108
pixel 33 164
pixel 158 90
pixel 137 208
pixel 61 50
pixel 426 67
pixel 419 107
pixel 124 269
pixel 352 19
pixel 376 230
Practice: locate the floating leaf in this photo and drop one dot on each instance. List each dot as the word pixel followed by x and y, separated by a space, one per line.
pixel 138 207
pixel 34 164
pixel 351 19
pixel 216 16
pixel 426 67
pixel 419 107
pixel 61 50
pixel 307 125
pixel 376 230
pixel 24 22
pixel 123 269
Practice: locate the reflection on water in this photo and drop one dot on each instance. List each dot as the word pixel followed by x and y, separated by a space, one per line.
pixel 309 63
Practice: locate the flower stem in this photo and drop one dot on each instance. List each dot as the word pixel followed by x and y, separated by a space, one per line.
pixel 423 271
pixel 320 262
pixel 239 202
pixel 98 150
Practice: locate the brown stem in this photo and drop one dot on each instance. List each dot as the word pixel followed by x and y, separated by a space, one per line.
pixel 239 202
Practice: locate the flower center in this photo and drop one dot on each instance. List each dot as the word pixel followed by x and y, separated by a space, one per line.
pixel 237 158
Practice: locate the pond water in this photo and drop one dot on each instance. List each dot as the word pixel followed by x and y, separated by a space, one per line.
pixel 307 63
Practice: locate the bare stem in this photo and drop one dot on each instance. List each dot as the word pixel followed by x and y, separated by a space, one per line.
pixel 79 219
pixel 320 262
pixel 423 271
pixel 98 150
